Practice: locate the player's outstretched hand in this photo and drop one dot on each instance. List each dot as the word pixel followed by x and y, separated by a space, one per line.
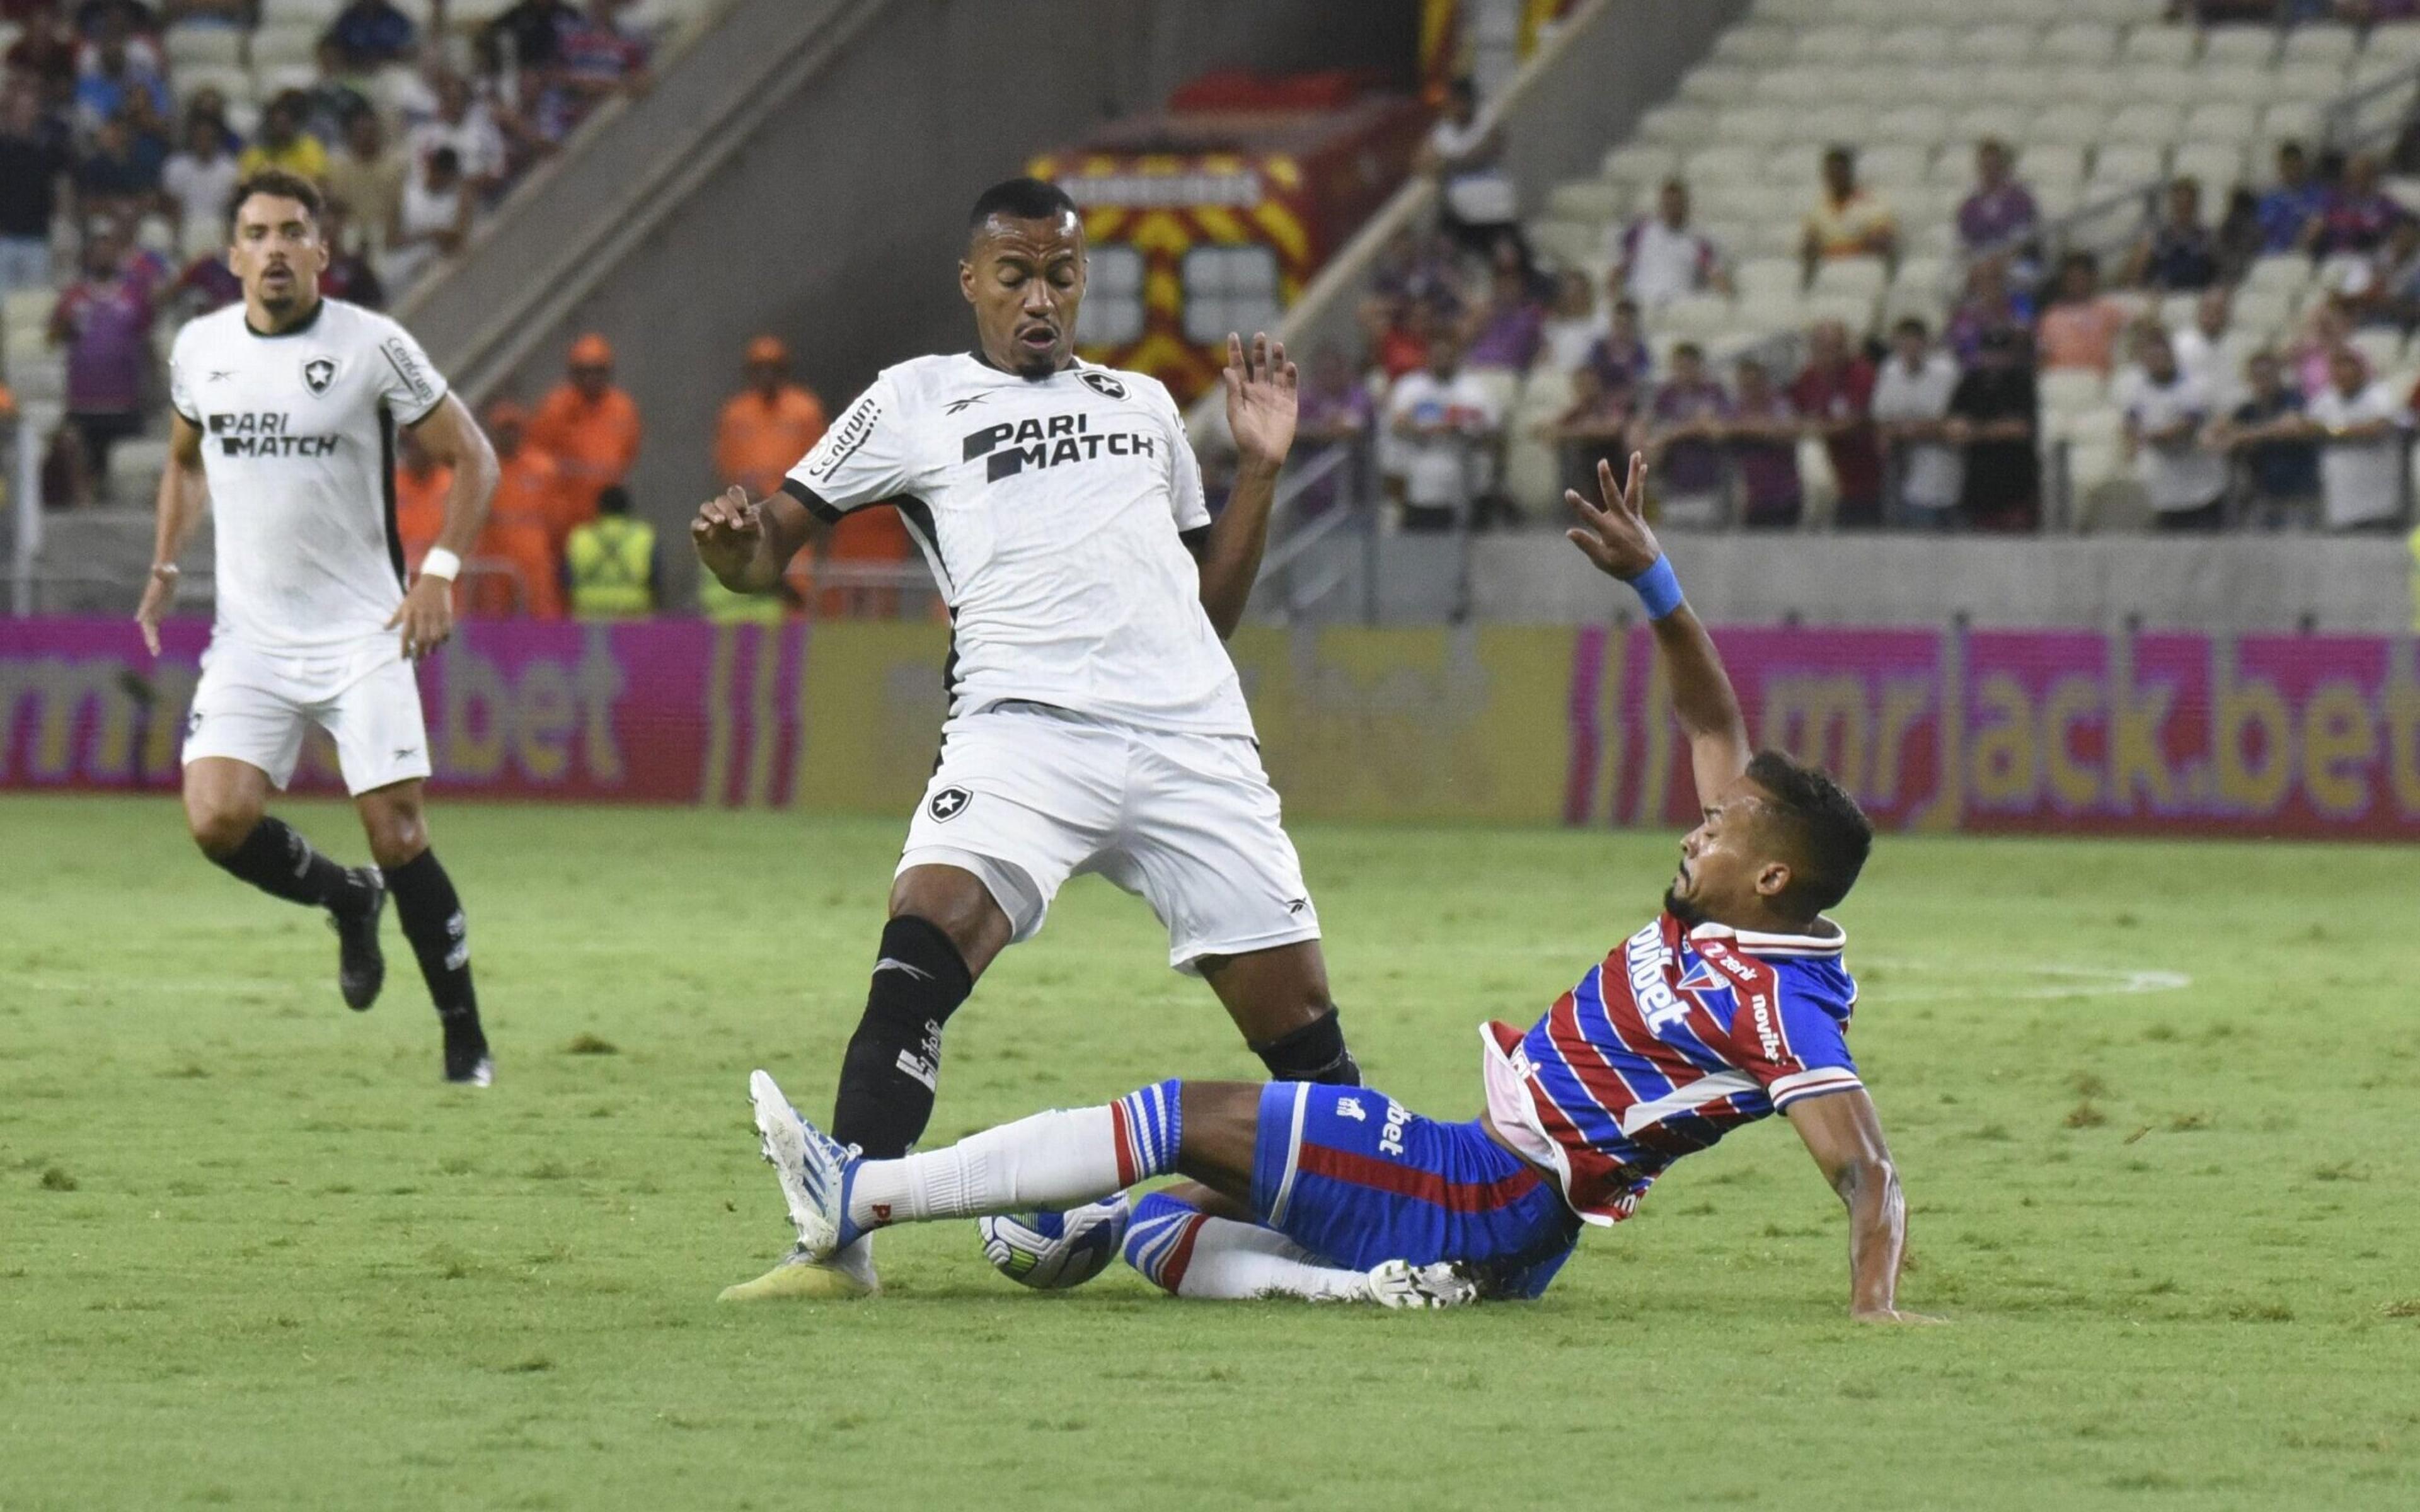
pixel 159 592
pixel 1263 396
pixel 727 532
pixel 1616 538
pixel 427 616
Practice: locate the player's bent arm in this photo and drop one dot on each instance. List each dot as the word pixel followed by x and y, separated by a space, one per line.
pixel 450 435
pixel 1843 1134
pixel 1230 548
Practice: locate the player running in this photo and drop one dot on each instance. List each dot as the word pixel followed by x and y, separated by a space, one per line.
pixel 286 409
pixel 1095 722
pixel 1731 1005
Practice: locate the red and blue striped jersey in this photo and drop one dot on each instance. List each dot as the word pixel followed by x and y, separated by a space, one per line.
pixel 1670 1044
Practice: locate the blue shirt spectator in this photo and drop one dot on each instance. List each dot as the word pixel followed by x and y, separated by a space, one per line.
pixel 2287 211
pixel 370 33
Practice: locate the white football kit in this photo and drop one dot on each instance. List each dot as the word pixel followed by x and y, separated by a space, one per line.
pixel 1096 721
pixel 298 446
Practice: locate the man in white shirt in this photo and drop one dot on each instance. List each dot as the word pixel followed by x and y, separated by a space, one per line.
pixel 1096 721
pixel 2166 411
pixel 2198 349
pixel 1658 258
pixel 286 406
pixel 1443 423
pixel 2361 427
pixel 197 181
pixel 1911 409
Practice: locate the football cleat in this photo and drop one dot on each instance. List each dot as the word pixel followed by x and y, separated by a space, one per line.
pixel 1402 1284
pixel 815 1170
pixel 841 1278
pixel 361 966
pixel 478 1071
pixel 467 1061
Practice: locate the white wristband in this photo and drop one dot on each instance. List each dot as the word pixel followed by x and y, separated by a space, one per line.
pixel 441 563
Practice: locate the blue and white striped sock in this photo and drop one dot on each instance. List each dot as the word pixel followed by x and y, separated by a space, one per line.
pixel 1051 1160
pixel 1150 1126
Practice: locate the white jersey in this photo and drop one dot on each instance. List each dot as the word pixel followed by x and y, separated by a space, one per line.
pixel 1051 511
pixel 298 444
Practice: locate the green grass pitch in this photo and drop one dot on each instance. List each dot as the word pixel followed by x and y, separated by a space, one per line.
pixel 2154 1107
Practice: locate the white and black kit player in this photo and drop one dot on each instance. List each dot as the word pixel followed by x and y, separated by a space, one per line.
pixel 1096 720
pixel 287 407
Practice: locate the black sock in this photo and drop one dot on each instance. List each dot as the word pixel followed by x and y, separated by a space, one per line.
pixel 282 863
pixel 431 916
pixel 895 1057
pixel 1315 1053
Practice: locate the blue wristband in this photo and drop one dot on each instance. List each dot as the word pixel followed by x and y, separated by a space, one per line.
pixel 1657 588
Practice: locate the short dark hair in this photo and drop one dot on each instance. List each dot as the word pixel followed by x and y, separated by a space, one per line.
pixel 1912 325
pixel 1021 199
pixel 1821 822
pixel 278 184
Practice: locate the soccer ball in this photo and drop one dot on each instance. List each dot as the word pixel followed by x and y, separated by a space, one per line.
pixel 1054 1251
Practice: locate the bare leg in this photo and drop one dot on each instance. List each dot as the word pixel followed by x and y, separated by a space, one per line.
pixel 1279 999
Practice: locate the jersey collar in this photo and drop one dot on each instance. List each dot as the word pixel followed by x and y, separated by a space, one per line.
pixel 319 308
pixel 1075 363
pixel 1826 939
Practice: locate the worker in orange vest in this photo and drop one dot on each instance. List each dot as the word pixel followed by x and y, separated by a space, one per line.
pixel 767 427
pixel 590 428
pixel 522 520
pixel 420 489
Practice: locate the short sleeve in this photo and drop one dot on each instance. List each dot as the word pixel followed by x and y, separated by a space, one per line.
pixel 181 383
pixel 1185 501
pixel 864 459
pixel 1784 1034
pixel 407 381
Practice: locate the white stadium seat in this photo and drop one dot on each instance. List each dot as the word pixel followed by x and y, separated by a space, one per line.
pixel 1760 123
pixel 1718 86
pixel 1763 278
pixel 2000 44
pixel 2245 86
pixel 1586 199
pixel 2317 45
pixel 190 46
pixel 1912 44
pixel 1860 278
pixel 1640 163
pixel 2229 122
pixel 1895 163
pixel 1725 160
pixel 2314 82
pixel 1695 315
pixel 2160 47
pixel 2069 389
pixel 2239 46
pixel 1754 46
pixel 1835 44
pixel 2079 41
pixel 1926 124
pixel 2073 125
pixel 2384 347
pixel 2219 165
pixel 2146 122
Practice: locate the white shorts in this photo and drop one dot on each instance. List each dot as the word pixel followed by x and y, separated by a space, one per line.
pixel 253 706
pixel 1027 797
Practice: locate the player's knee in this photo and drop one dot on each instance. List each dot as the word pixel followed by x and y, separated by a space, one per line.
pixel 958 905
pixel 1159 1238
pixel 397 842
pixel 217 826
pixel 1315 1052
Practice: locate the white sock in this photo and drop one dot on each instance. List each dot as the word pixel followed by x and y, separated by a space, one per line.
pixel 1050 1160
pixel 1237 1262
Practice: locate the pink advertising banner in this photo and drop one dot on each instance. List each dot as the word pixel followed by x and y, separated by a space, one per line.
pixel 1983 731
pixel 2033 730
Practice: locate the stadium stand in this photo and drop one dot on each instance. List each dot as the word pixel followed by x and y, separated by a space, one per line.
pixel 2122 131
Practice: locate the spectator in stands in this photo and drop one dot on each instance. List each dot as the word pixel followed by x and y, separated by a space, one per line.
pixel 1992 415
pixel 1835 391
pixel 464 123
pixel 206 283
pixel 1571 325
pixel 2326 327
pixel 1464 153
pixel 2388 290
pixel 768 426
pixel 589 426
pixel 45 55
pixel 520 546
pixel 432 220
pixel 198 180
pixel 1621 356
pixel 1762 438
pixel 336 94
pixel 2359 425
pixel 1659 258
pixel 526 36
pixel 2080 328
pixel 2200 346
pixel 211 12
pixel 1990 304
pixel 2359 214
pixel 2291 210
pixel 117 78
pixel 1505 334
pixel 2000 214
pixel 282 143
pixel 2281 461
pixel 1445 426
pixel 1333 412
pixel 371 33
pixel 1414 266
pixel 1911 407
pixel 104 321
pixel 1682 436
pixel 1402 343
pixel 117 176
pixel 1847 219
pixel 2177 253
pixel 350 275
pixel 1595 426
pixel 2239 238
pixel 365 174
pixel 34 164
pixel 596 57
pixel 612 564
pixel 2166 411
